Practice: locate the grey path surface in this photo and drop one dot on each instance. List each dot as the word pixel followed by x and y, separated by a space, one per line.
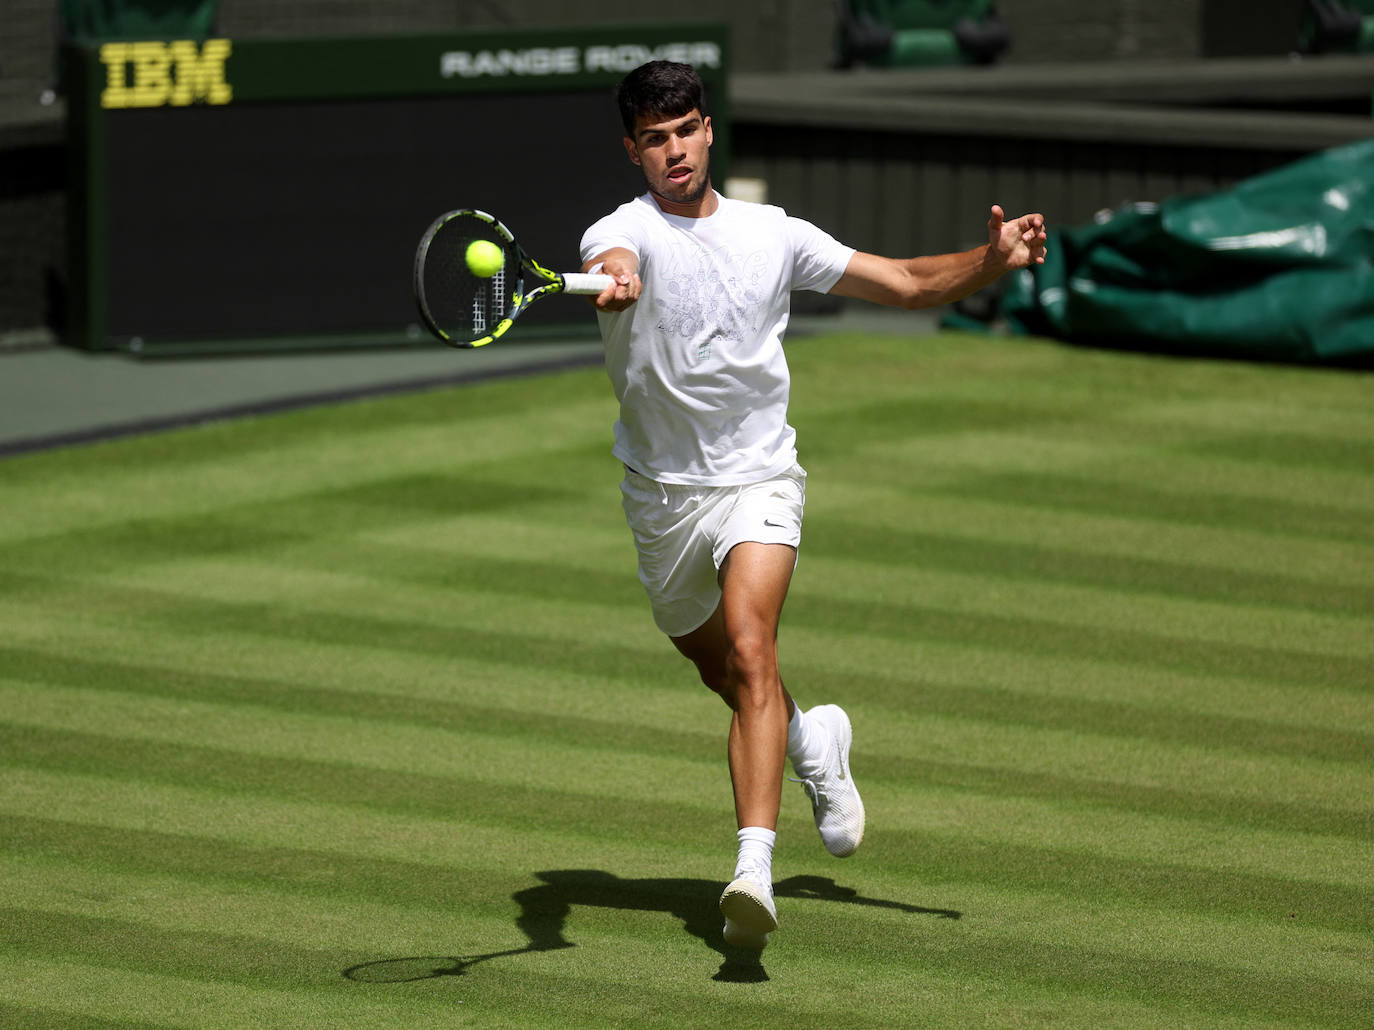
pixel 50 396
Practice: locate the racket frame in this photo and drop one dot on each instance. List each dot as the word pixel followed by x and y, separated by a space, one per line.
pixel 546 282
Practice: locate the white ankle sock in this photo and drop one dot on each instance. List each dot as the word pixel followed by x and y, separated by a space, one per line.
pixel 805 746
pixel 756 854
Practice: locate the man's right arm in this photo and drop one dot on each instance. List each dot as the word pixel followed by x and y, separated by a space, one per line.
pixel 622 264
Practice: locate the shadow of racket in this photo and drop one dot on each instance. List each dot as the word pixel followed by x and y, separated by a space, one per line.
pixel 425 967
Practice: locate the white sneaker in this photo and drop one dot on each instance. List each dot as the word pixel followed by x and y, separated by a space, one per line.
pixel 834 799
pixel 750 915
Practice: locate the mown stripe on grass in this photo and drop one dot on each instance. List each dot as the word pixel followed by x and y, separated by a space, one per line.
pixel 378 576
pixel 1177 991
pixel 1135 576
pixel 102 801
pixel 1301 516
pixel 460 559
pixel 264 964
pixel 1125 760
pixel 943 861
pixel 552 439
pixel 466 880
pixel 251 527
pixel 1041 636
pixel 32 1017
pixel 486 802
pixel 969 457
pixel 1030 634
pixel 92 991
pixel 1123 795
pixel 1071 828
pixel 1245 853
pixel 559 657
pixel 1107 973
pixel 170 951
pixel 473 628
pixel 1094 607
pixel 478 797
pixel 988 706
pixel 500 897
pixel 1296 450
pixel 262 824
pixel 854 919
pixel 1335 404
pixel 991 704
pixel 1252 942
pixel 130 738
pixel 484 912
pixel 675 697
pixel 827 431
pixel 1242 734
pixel 588 763
pixel 926 509
pixel 894 670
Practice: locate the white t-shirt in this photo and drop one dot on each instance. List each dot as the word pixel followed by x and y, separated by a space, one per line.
pixel 697 363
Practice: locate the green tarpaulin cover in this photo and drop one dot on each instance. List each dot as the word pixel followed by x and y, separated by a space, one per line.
pixel 1279 267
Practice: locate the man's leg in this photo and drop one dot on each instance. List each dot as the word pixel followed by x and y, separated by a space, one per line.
pixel 736 654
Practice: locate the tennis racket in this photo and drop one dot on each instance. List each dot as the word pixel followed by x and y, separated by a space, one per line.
pixel 468 310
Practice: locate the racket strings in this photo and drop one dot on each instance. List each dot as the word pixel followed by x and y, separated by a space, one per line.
pixel 463 305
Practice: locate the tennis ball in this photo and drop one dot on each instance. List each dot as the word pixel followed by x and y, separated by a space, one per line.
pixel 485 258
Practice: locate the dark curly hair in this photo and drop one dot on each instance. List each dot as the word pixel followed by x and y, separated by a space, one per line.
pixel 664 88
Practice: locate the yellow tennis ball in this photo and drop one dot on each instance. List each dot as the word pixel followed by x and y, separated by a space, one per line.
pixel 485 258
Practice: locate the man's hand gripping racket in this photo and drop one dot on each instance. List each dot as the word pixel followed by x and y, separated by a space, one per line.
pixel 469 295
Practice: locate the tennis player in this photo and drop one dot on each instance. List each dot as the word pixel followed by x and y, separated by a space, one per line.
pixel 713 494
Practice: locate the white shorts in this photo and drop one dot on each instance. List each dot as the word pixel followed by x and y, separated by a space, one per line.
pixel 683 534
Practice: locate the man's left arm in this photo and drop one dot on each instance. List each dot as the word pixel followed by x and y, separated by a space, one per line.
pixel 927 282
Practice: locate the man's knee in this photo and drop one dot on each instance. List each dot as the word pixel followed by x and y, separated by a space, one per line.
pixel 739 663
pixel 752 665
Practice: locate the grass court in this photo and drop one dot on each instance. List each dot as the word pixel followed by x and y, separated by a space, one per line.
pixel 356 716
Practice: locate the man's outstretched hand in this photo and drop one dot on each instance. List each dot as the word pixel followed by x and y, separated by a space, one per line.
pixel 1019 243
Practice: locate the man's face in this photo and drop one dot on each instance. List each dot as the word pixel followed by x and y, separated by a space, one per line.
pixel 674 154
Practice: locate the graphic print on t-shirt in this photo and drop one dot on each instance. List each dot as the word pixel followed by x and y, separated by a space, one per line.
pixel 713 295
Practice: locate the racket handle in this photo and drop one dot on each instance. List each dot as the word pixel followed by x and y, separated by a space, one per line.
pixel 583 282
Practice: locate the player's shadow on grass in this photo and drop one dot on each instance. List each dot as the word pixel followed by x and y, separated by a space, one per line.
pixel 544 911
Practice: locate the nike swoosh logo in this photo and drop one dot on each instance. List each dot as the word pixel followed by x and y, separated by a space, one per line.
pixel 774 525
